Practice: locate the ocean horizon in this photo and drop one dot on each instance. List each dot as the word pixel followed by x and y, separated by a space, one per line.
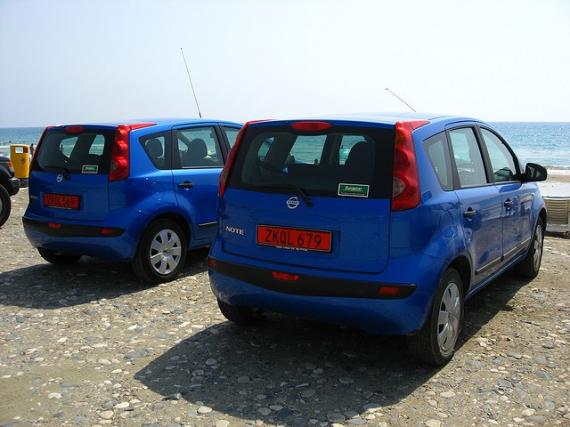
pixel 546 143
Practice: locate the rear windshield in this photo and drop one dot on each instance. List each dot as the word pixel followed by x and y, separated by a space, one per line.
pixel 342 161
pixel 88 152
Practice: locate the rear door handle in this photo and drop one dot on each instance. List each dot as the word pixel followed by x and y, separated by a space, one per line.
pixel 470 213
pixel 508 204
pixel 185 184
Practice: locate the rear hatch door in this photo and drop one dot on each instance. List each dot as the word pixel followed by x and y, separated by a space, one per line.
pixel 311 195
pixel 69 173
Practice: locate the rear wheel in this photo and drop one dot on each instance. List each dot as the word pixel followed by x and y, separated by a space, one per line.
pixel 58 258
pixel 242 316
pixel 161 253
pixel 435 342
pixel 530 266
pixel 5 205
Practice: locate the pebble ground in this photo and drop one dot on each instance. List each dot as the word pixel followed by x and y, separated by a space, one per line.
pixel 89 346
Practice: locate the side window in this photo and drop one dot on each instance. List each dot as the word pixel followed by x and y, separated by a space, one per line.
pixel 231 133
pixel 346 144
pixel 308 149
pixel 155 148
pixel 198 147
pixel 468 159
pixel 502 161
pixel 438 152
pixel 97 146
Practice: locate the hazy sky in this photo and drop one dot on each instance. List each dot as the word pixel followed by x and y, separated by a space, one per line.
pixel 83 61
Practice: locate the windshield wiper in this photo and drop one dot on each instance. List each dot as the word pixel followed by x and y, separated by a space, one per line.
pixel 287 186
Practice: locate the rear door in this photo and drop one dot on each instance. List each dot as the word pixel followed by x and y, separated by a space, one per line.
pixel 69 174
pixel 197 162
pixel 311 197
pixel 480 200
pixel 516 199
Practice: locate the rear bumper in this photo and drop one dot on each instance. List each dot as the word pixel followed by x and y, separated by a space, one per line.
pixel 349 303
pixel 13 186
pixel 107 243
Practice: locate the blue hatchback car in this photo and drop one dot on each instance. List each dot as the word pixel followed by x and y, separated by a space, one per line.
pixel 386 223
pixel 145 192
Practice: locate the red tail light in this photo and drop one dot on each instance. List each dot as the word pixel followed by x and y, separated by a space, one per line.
pixel 406 185
pixel 120 164
pixel 389 291
pixel 225 175
pixel 311 126
pixel 285 277
pixel 35 153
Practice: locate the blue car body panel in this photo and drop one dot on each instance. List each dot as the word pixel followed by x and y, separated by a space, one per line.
pixel 420 244
pixel 129 204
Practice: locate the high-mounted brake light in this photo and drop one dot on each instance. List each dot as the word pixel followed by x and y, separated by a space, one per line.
pixel 225 175
pixel 311 126
pixel 120 163
pixel 74 129
pixel 405 184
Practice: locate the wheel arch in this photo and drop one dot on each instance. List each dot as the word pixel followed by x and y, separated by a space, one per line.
pixel 463 266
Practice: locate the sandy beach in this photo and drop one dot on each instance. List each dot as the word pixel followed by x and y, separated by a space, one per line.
pixel 557 184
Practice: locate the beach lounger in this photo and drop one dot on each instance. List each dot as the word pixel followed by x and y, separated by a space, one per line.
pixel 558 214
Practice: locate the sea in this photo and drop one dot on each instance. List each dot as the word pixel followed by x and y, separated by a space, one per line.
pixel 545 143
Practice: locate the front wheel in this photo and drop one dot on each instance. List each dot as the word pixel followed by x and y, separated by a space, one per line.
pixel 530 266
pixel 161 253
pixel 5 205
pixel 435 342
pixel 58 258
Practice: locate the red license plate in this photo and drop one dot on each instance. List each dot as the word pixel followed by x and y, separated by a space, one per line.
pixel 294 238
pixel 61 201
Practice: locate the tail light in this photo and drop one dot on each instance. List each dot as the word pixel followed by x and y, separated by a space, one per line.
pixel 405 184
pixel 120 162
pixel 37 149
pixel 10 166
pixel 225 175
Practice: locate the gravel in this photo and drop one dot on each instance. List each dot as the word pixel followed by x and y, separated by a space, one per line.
pixel 88 345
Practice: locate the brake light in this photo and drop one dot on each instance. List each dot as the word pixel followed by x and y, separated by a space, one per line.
pixel 10 166
pixel 405 184
pixel 225 175
pixel 54 225
pixel 212 263
pixel 73 129
pixel 285 277
pixel 311 126
pixel 120 163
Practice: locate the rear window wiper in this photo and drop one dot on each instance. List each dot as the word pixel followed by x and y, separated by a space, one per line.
pixel 61 169
pixel 287 186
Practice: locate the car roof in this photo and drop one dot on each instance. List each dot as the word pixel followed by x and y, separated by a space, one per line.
pixel 385 118
pixel 159 122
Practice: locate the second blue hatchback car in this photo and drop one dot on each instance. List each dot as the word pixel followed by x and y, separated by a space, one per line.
pixel 145 192
pixel 384 223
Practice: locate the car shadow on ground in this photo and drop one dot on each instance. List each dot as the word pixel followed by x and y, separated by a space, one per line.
pixel 46 286
pixel 304 370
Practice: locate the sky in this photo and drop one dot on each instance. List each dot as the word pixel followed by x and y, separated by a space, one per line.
pixel 89 61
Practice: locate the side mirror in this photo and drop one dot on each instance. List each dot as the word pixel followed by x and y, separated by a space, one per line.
pixel 534 172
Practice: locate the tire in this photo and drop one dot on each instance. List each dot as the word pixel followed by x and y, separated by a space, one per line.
pixel 241 316
pixel 5 205
pixel 58 258
pixel 431 345
pixel 530 265
pixel 161 253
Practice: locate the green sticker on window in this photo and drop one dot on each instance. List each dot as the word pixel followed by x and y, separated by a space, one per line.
pixel 353 190
pixel 90 169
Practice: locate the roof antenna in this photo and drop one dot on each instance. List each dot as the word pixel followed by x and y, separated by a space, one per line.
pixel 393 94
pixel 191 85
